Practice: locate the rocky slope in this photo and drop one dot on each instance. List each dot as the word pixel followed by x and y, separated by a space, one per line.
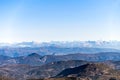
pixel 89 71
pixel 23 72
pixel 71 68
pixel 93 71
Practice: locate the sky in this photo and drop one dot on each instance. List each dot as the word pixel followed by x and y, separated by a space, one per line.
pixel 59 20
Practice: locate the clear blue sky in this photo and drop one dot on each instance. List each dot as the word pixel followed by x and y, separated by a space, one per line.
pixel 59 20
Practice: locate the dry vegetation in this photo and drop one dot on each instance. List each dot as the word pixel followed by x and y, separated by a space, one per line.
pixel 5 78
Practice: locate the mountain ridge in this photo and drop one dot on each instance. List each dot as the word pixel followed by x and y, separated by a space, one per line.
pixel 35 59
pixel 94 71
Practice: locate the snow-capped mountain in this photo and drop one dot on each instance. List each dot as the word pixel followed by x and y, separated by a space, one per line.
pixel 94 44
pixel 58 48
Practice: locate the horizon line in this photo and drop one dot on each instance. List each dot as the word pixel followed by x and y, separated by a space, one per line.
pixel 58 41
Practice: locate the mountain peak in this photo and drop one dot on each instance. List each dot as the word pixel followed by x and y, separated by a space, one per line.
pixel 34 54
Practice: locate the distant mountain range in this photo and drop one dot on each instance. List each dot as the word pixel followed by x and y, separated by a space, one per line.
pixel 19 51
pixel 66 44
pixel 58 48
pixel 35 59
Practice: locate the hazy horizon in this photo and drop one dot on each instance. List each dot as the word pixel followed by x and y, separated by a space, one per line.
pixel 59 20
pixel 40 42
